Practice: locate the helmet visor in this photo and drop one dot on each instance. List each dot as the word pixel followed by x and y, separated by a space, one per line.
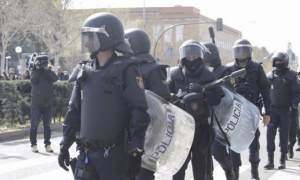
pixel 90 42
pixel 191 50
pixel 242 51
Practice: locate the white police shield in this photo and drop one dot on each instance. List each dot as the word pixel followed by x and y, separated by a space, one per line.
pixel 169 136
pixel 299 116
pixel 239 119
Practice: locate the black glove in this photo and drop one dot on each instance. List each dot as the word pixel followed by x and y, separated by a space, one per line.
pixel 174 98
pixel 293 113
pixel 64 159
pixel 195 87
pixel 134 164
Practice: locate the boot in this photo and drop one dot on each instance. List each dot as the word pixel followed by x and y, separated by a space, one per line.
pixel 229 174
pixel 291 152
pixel 282 161
pixel 254 172
pixel 270 164
pixel 236 172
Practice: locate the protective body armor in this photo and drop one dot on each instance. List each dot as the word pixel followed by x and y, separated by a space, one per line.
pixel 248 85
pixel 104 111
pixel 147 68
pixel 181 82
pixel 281 92
pixel 221 71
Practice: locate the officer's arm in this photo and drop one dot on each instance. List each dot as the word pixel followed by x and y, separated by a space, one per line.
pixel 157 83
pixel 71 124
pixel 35 76
pixel 135 97
pixel 295 92
pixel 264 87
pixel 215 94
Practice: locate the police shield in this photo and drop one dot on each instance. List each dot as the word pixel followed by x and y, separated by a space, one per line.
pixel 168 138
pixel 299 116
pixel 239 119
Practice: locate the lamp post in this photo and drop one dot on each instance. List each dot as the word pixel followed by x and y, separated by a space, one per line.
pixel 7 58
pixel 218 24
pixel 18 51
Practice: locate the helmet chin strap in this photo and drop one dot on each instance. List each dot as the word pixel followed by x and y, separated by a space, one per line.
pixel 94 54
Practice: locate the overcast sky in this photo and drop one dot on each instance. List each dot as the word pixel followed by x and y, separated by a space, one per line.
pixel 269 23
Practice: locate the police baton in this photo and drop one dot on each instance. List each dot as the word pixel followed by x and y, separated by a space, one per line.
pixel 119 74
pixel 212 34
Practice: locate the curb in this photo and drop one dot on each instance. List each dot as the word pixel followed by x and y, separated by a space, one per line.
pixel 19 134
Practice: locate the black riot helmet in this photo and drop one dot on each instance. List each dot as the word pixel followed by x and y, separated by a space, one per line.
pixel 242 50
pixel 191 48
pixel 280 56
pixel 139 42
pixel 103 31
pixel 211 54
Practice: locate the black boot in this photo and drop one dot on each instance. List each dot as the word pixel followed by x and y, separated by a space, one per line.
pixel 291 152
pixel 236 172
pixel 270 164
pixel 229 174
pixel 282 161
pixel 254 172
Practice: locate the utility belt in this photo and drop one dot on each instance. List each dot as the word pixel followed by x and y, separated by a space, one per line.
pixel 95 145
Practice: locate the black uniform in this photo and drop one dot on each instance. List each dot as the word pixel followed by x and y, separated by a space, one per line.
pixel 251 86
pixel 105 101
pixel 154 74
pixel 285 93
pixel 219 151
pixel 193 73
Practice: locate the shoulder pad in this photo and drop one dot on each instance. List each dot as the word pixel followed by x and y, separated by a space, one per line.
pixel 147 68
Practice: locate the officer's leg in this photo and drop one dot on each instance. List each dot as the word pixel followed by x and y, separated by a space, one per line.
pixel 236 163
pixel 222 156
pixel 298 138
pixel 47 115
pixel 85 171
pixel 284 125
pixel 292 135
pixel 145 175
pixel 35 119
pixel 111 166
pixel 199 150
pixel 254 155
pixel 181 173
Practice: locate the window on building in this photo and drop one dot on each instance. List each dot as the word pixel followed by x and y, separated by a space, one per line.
pixel 168 33
pixel 156 31
pixel 179 33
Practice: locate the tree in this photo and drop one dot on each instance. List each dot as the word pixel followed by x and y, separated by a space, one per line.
pixel 13 18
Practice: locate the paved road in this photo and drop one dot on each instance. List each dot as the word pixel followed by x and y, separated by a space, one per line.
pixel 17 162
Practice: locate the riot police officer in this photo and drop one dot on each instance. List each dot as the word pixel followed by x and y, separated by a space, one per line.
pixel 192 75
pixel 107 98
pixel 250 86
pixel 219 151
pixel 285 93
pixel 154 74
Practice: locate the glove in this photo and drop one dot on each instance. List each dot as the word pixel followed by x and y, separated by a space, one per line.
pixel 134 164
pixel 195 87
pixel 293 113
pixel 174 98
pixel 64 159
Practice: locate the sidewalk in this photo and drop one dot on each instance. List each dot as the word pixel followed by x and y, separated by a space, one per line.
pixel 19 134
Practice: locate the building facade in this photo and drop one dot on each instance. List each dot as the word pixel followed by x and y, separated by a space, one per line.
pixel 158 19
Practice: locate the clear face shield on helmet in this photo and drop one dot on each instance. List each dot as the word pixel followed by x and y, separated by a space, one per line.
pixel 242 51
pixel 191 50
pixel 90 40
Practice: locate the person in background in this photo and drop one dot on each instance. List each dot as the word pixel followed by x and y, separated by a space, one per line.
pixel 61 75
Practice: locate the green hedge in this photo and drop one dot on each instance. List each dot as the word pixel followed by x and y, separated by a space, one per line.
pixel 15 101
